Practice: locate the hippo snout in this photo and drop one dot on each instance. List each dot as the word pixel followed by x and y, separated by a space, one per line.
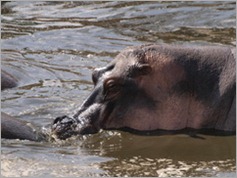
pixel 84 122
pixel 65 127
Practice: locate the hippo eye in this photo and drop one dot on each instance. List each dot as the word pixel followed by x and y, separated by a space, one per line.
pixel 111 89
pixel 110 84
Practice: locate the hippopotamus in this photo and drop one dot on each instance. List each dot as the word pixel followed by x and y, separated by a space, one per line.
pixel 7 80
pixel 166 88
pixel 14 128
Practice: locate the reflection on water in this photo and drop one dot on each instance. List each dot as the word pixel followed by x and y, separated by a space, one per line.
pixel 53 47
pixel 115 153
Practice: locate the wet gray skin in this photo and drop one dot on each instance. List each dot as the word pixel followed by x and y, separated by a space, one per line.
pixel 7 80
pixel 12 128
pixel 159 88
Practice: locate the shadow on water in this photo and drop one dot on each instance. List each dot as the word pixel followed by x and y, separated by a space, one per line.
pixel 53 47
pixel 177 147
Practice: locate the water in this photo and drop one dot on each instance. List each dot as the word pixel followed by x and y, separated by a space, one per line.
pixel 53 47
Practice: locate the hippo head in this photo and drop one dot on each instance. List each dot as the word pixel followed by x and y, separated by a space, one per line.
pixel 119 100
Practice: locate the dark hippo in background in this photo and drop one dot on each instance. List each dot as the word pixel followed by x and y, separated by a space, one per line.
pixel 159 88
pixel 11 127
pixel 7 80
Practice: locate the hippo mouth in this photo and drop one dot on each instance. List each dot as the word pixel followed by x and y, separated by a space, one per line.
pixel 87 121
pixel 64 127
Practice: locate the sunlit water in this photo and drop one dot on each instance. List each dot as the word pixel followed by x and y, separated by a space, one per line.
pixel 53 47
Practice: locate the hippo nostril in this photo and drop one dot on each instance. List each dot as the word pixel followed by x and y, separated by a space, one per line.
pixel 58 119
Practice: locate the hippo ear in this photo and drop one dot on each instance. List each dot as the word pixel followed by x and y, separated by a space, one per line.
pixel 140 69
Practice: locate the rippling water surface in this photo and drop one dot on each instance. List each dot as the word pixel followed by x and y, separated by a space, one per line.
pixel 53 47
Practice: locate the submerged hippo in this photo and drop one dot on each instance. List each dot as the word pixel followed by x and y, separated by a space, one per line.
pixel 11 127
pixel 159 88
pixel 7 80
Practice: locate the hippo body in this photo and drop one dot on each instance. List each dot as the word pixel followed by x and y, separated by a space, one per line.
pixel 7 80
pixel 12 128
pixel 159 87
